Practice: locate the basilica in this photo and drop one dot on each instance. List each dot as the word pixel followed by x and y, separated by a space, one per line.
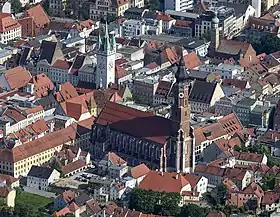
pixel 142 137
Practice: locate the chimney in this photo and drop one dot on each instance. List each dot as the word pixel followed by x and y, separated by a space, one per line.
pixel 177 176
pixel 161 173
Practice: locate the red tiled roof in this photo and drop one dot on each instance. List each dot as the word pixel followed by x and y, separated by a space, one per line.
pixel 241 84
pixel 73 166
pixel 14 114
pixel 120 72
pixel 42 85
pixel 270 197
pixel 120 62
pixel 33 110
pixel 67 196
pixel 163 88
pixel 67 91
pixel 17 77
pixel 209 132
pixel 30 131
pixel 4 191
pixel 192 179
pixel 192 60
pixel 139 171
pixel 85 24
pixel 9 179
pixel 255 189
pixel 75 107
pixel 115 159
pixel 163 181
pixel 39 15
pixel 62 64
pixel 93 206
pixel 7 23
pixel 183 23
pixel 164 17
pixel 135 122
pixel 248 156
pixel 230 123
pixel 37 146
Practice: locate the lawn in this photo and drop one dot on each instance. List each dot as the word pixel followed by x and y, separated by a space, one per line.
pixel 33 199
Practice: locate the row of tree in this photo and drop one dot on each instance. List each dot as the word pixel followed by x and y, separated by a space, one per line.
pixel 267 44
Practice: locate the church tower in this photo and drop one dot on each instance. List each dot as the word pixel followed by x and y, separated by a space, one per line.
pixel 105 58
pixel 215 33
pixel 181 140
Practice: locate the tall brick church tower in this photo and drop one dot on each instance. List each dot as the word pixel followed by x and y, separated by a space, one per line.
pixel 181 141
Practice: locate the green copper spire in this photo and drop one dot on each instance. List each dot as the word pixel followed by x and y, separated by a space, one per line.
pixel 106 39
pixel 113 42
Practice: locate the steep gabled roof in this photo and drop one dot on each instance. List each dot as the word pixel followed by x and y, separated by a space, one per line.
pixel 39 15
pixel 135 122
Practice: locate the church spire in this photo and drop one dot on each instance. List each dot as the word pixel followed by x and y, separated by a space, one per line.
pixel 181 74
pixel 113 42
pixel 99 41
pixel 106 38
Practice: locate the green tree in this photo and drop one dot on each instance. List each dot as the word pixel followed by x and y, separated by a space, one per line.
pixel 46 6
pixel 193 210
pixel 221 194
pixel 154 5
pixel 16 6
pixel 268 182
pixel 237 148
pixel 159 203
pixel 267 44
pixel 70 215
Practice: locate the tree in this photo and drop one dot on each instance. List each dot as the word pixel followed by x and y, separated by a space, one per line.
pixel 158 203
pixel 154 5
pixel 237 148
pixel 70 215
pixel 267 44
pixel 46 6
pixel 221 194
pixel 193 210
pixel 268 182
pixel 16 6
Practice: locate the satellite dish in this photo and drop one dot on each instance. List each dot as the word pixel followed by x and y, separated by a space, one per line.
pixel 6 8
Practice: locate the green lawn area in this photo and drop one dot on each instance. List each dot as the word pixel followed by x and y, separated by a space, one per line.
pixel 32 199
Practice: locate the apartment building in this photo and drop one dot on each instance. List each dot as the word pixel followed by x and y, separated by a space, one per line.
pixel 14 119
pixel 19 160
pixel 223 69
pixel 232 20
pixel 9 28
pixel 178 5
pixel 132 28
pixel 258 28
pixel 137 3
pixel 104 9
pixel 144 88
pixel 253 112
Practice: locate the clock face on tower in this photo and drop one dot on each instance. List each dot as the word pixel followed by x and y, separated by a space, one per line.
pixel 181 95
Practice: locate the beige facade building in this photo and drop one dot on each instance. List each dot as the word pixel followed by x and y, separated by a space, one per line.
pixel 106 9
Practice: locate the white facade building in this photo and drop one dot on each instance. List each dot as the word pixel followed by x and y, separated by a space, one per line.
pixel 132 28
pixel 178 5
pixel 10 28
pixel 224 70
pixel 41 177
